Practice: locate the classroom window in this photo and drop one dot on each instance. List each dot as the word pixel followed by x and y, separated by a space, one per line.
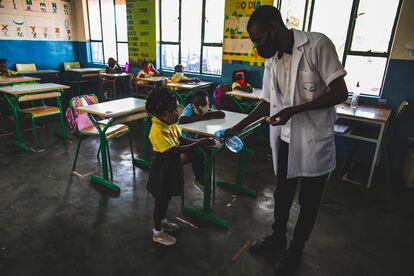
pixel 109 36
pixel 192 34
pixel 362 31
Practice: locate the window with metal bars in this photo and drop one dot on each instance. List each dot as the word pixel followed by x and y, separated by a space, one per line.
pixel 191 33
pixel 108 37
pixel 362 31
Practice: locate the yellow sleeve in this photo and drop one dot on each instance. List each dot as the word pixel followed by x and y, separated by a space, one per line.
pixel 235 85
pixel 175 79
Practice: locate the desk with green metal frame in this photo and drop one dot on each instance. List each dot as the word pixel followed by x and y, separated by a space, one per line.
pixel 149 82
pixel 82 73
pixel 15 81
pixel 208 128
pixel 117 112
pixel 252 98
pixel 41 73
pixel 32 92
pixel 112 78
pixel 184 90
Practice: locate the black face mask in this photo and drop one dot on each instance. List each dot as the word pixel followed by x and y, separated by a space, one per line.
pixel 268 49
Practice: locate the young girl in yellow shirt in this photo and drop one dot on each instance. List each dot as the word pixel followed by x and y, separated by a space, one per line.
pixel 166 177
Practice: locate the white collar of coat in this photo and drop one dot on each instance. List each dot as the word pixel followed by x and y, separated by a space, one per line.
pixel 300 38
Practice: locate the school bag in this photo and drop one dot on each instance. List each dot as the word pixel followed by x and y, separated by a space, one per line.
pixel 221 101
pixel 76 120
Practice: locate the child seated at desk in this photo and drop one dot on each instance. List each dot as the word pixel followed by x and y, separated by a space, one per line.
pixel 199 109
pixel 148 70
pixel 240 83
pixel 6 73
pixel 113 67
pixel 166 178
pixel 179 77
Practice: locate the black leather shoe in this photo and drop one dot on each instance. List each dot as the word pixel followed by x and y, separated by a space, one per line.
pixel 268 243
pixel 290 262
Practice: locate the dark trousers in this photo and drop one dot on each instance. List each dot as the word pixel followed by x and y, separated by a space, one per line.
pixel 197 163
pixel 311 189
pixel 160 210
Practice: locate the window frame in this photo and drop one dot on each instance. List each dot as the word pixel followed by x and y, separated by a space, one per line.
pixel 203 43
pixel 307 25
pixel 101 40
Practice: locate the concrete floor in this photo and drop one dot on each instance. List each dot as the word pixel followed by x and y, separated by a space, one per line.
pixel 55 223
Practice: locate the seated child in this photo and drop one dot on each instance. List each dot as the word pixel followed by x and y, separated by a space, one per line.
pixel 6 73
pixel 179 75
pixel 199 109
pixel 148 70
pixel 122 85
pixel 240 83
pixel 166 176
pixel 113 67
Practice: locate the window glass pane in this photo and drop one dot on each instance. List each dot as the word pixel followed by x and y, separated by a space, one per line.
pixel 94 20
pixel 374 25
pixel 292 13
pixel 108 28
pixel 213 30
pixel 122 53
pixel 121 21
pixel 212 60
pixel 169 56
pixel 169 20
pixel 97 55
pixel 365 74
pixel 191 34
pixel 335 26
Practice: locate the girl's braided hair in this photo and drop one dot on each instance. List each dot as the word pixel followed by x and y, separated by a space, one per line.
pixel 159 101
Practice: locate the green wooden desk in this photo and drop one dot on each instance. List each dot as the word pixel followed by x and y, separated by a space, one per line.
pixel 208 128
pixel 118 112
pixel 239 98
pixel 42 73
pixel 77 74
pixel 112 78
pixel 184 90
pixel 29 92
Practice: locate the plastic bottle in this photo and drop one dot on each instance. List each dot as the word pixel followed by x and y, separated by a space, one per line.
pixel 126 67
pixel 355 100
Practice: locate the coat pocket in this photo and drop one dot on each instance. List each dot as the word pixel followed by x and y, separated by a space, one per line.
pixel 309 86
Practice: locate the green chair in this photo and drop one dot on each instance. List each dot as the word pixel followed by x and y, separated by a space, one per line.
pixel 71 65
pixel 42 111
pixel 25 67
pixel 71 78
pixel 113 132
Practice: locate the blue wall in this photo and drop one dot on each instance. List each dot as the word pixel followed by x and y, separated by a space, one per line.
pixel 45 54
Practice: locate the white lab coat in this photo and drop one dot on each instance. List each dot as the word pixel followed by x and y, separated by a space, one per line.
pixel 315 64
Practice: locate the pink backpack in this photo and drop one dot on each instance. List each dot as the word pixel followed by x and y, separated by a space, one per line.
pixel 76 120
pixel 221 101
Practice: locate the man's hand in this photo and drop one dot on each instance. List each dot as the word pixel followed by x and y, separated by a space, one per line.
pixel 282 117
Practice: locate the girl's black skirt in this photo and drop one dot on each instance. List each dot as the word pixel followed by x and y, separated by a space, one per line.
pixel 166 175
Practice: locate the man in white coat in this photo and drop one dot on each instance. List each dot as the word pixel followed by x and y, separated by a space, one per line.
pixel 303 81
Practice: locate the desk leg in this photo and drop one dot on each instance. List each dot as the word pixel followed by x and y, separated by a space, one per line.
pixel 14 105
pixel 238 186
pixel 63 131
pixel 376 156
pixel 206 213
pixel 146 163
pixel 238 104
pixel 104 180
pixel 179 97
